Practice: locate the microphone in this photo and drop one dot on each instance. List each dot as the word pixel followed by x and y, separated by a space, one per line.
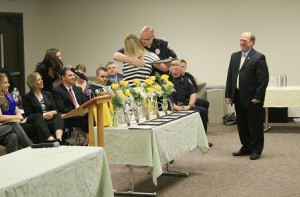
pixel 105 89
pixel 76 72
pixel 82 76
pixel 45 145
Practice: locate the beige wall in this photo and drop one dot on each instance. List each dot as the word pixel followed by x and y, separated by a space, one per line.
pixel 205 33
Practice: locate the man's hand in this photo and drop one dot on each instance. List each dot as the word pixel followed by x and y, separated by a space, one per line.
pixel 228 100
pixel 180 108
pixel 255 101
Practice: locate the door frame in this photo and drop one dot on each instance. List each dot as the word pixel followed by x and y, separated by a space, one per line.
pixel 20 37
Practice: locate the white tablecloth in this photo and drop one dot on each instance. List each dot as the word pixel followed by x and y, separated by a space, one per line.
pixel 155 147
pixel 288 96
pixel 63 171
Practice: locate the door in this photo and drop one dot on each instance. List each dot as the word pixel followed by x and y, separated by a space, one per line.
pixel 12 47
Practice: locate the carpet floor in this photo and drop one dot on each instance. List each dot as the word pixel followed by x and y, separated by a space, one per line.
pixel 218 173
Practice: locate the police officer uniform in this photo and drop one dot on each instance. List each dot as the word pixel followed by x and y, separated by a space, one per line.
pixel 199 102
pixel 184 88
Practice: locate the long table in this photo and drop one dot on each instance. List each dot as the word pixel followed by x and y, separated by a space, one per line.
pixel 288 96
pixel 156 146
pixel 62 171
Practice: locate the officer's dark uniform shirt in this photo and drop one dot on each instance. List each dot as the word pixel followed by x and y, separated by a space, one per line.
pixel 184 88
pixel 192 79
pixel 161 49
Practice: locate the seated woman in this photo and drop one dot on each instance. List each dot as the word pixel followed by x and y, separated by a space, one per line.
pixel 39 104
pixel 81 82
pixel 11 133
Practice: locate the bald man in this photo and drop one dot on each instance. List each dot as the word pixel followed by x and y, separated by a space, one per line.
pixel 246 84
pixel 158 46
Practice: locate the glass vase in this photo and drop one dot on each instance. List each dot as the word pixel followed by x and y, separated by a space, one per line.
pixel 126 117
pixel 145 112
pixel 135 109
pixel 171 105
pixel 115 116
pixel 155 108
pixel 164 105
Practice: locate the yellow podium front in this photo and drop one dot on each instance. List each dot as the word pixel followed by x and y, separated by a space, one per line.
pixel 107 110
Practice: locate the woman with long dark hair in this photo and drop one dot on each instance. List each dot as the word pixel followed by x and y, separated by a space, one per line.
pixel 50 68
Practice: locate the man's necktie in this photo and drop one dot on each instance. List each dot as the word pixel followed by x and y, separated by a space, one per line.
pixel 241 64
pixel 72 97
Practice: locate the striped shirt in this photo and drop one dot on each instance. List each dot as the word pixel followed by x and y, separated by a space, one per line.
pixel 131 72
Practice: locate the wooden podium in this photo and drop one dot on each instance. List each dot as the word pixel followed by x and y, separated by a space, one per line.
pixel 88 108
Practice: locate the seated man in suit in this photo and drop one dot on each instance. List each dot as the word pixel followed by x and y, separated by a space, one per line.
pixel 185 96
pixel 67 97
pixel 113 72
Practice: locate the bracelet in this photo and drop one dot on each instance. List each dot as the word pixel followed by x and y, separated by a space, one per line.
pixel 191 105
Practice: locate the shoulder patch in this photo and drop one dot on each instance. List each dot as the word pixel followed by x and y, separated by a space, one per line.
pixel 169 47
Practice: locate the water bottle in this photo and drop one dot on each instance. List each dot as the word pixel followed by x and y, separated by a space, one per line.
pixel 284 80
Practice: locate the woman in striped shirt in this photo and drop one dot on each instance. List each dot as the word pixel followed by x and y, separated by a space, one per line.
pixel 134 48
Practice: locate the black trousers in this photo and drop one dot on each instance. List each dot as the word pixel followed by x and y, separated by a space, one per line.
pixel 45 128
pixel 250 126
pixel 202 103
pixel 204 115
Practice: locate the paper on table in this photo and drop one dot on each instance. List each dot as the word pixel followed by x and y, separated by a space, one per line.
pixel 142 126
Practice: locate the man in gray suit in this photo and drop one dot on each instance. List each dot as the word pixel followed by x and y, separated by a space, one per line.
pixel 246 84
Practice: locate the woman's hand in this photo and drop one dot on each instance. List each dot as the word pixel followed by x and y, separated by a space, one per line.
pixel 49 115
pixel 19 117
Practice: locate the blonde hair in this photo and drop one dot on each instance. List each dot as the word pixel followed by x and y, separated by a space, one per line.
pixel 133 46
pixel 3 100
pixel 32 81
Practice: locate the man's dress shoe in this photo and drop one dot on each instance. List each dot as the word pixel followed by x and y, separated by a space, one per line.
pixel 210 144
pixel 254 156
pixel 240 153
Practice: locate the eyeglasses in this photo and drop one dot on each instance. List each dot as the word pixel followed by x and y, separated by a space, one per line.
pixel 104 76
pixel 146 39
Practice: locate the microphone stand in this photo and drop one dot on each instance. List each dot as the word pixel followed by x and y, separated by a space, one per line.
pixel 106 90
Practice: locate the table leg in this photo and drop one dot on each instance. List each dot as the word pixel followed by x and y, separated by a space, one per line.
pixel 267 127
pixel 173 173
pixel 132 192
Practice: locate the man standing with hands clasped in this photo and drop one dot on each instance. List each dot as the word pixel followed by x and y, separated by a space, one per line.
pixel 246 84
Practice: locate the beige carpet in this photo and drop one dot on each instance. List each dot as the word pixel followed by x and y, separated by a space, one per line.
pixel 218 173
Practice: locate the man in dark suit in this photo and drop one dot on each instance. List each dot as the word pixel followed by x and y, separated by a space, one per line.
pixel 67 97
pixel 113 72
pixel 246 84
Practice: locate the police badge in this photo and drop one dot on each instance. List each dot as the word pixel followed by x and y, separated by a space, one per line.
pixel 157 51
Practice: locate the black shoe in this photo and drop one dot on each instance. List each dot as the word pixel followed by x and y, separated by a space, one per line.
pixel 240 153
pixel 62 143
pixel 254 156
pixel 210 144
pixel 52 141
pixel 172 161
